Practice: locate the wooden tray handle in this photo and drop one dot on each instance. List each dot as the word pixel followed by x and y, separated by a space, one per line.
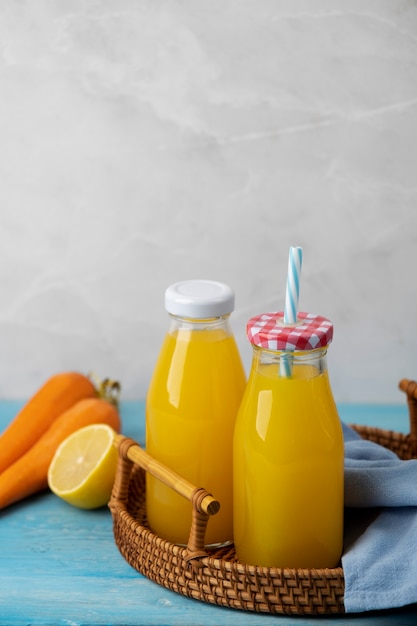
pixel 410 388
pixel 203 503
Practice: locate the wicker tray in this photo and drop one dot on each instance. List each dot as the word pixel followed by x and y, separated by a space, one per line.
pixel 217 577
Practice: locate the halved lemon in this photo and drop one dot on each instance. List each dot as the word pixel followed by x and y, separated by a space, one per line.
pixel 83 468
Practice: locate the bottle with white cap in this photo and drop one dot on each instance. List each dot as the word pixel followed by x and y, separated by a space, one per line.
pixel 288 449
pixel 191 407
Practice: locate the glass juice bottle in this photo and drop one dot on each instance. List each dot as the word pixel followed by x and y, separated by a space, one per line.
pixel 288 449
pixel 191 408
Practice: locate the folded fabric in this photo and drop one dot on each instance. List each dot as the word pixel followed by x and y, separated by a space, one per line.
pixel 375 476
pixel 379 560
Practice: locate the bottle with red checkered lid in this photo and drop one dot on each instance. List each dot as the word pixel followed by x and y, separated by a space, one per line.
pixel 191 408
pixel 288 449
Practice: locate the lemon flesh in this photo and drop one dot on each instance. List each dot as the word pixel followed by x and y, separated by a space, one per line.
pixel 83 468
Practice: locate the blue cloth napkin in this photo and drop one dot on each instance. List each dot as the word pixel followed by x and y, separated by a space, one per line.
pixel 380 554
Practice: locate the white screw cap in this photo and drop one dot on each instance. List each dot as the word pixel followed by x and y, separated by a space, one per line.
pixel 199 299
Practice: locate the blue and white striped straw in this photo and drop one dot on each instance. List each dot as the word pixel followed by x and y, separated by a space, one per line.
pixel 292 293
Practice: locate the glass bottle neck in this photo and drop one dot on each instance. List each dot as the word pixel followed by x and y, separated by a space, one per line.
pixel 210 323
pixel 301 364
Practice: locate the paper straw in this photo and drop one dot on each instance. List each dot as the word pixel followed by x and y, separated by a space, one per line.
pixel 295 259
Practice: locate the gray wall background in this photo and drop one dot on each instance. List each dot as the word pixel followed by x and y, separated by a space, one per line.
pixel 148 142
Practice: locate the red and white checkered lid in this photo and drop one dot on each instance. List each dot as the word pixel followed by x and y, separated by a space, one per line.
pixel 309 333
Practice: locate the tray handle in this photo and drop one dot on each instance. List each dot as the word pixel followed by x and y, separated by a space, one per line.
pixel 203 503
pixel 410 388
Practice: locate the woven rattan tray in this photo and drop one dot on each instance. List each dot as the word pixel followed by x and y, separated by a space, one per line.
pixel 217 577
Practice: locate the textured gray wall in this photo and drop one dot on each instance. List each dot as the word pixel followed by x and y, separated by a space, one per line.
pixel 148 142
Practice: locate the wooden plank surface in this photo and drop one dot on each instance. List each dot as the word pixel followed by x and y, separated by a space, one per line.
pixel 60 566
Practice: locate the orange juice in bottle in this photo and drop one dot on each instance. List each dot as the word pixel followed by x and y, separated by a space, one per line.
pixel 288 449
pixel 191 407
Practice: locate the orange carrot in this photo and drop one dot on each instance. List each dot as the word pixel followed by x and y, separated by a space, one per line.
pixel 29 474
pixel 58 394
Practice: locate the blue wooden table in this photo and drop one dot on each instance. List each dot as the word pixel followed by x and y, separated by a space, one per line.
pixel 60 566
